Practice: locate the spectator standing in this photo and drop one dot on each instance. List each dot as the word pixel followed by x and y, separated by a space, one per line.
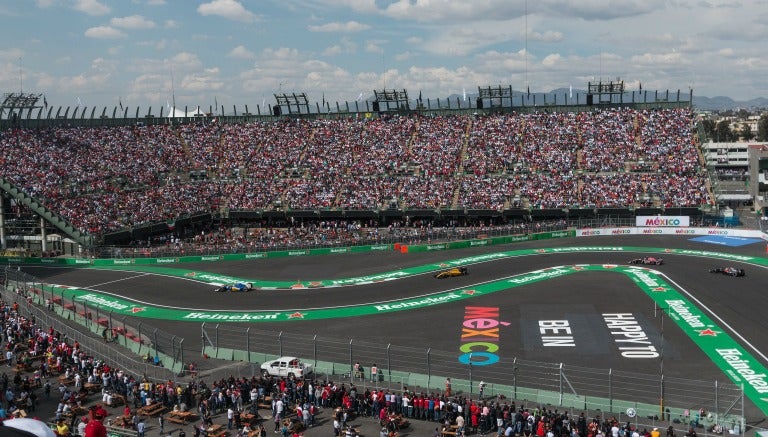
pixel 140 428
pixel 95 427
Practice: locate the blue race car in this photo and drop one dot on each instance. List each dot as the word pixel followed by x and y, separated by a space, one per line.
pixel 239 286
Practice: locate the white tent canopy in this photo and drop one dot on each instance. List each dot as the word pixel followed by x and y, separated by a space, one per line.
pixel 181 113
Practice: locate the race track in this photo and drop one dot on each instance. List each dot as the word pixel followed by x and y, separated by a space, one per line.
pixel 585 299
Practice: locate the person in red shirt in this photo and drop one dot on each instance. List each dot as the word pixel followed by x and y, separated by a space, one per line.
pixel 95 427
pixel 100 411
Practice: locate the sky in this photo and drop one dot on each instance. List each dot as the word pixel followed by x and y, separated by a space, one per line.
pixel 237 52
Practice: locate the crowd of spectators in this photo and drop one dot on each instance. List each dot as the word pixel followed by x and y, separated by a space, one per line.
pixel 108 178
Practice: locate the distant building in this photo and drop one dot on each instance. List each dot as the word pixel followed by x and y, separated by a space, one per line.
pixel 758 176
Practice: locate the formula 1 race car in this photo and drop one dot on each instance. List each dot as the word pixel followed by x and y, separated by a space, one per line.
pixel 450 273
pixel 235 287
pixel 728 271
pixel 648 260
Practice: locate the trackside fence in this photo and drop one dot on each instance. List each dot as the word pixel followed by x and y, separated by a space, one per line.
pixel 141 343
pixel 652 397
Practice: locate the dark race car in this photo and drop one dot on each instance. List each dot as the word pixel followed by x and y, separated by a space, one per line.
pixel 648 260
pixel 455 271
pixel 728 271
pixel 240 286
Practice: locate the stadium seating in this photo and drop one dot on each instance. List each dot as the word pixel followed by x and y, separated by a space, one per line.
pixel 108 178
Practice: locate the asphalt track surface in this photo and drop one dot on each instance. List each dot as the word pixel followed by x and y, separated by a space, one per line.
pixel 582 299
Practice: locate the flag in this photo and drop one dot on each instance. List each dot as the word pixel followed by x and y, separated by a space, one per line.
pixel 570 91
pixel 529 91
pixel 419 95
pixel 119 100
pixel 360 97
pixel 641 85
pixel 45 101
pixel 464 91
pixel 167 104
pixel 171 224
pixel 79 102
pixel 323 99
pixel 216 101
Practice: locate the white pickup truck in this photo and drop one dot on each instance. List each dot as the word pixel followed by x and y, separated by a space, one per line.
pixel 289 367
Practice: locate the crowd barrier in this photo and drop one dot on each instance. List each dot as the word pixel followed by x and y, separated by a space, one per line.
pixel 405 248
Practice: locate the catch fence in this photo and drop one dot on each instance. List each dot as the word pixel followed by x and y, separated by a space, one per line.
pixel 97 330
pixel 652 397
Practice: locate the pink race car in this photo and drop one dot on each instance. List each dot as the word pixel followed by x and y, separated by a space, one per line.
pixel 648 260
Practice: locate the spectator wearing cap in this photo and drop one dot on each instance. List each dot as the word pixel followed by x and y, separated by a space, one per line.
pixel 95 427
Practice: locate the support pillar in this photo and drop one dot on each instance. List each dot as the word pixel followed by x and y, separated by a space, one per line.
pixel 43 237
pixel 2 224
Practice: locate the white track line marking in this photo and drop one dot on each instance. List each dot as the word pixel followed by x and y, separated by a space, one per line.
pixel 715 316
pixel 118 280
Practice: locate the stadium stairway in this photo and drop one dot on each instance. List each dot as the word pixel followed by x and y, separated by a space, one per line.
pixel 184 146
pixel 51 217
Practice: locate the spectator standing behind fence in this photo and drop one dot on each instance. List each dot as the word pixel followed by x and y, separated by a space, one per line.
pixel 448 387
pixel 374 373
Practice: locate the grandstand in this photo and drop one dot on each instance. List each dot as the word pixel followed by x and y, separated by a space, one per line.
pixel 111 180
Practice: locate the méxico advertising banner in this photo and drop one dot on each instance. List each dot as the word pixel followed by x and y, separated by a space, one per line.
pixel 662 220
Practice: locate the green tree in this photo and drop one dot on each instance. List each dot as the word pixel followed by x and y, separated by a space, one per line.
pixel 746 132
pixel 708 125
pixel 723 132
pixel 762 128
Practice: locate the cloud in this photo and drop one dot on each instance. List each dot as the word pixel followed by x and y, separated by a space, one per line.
pixel 240 52
pixel 91 7
pixel 346 46
pixel 349 26
pixel 170 24
pixel 206 81
pixel 132 22
pixel 333 51
pixel 11 54
pixel 404 56
pixel 229 9
pixel 104 32
pixel 660 59
pixel 551 60
pixel 548 36
pixel 597 10
pixel 374 46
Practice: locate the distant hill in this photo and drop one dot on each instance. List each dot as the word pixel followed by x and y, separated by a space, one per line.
pixel 722 103
pixel 718 103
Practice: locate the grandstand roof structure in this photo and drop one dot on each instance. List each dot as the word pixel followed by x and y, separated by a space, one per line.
pixel 18 102
pixel 516 101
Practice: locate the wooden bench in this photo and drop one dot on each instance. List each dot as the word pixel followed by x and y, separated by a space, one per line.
pixel 182 417
pixel 118 400
pixel 153 410
pixel 216 431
